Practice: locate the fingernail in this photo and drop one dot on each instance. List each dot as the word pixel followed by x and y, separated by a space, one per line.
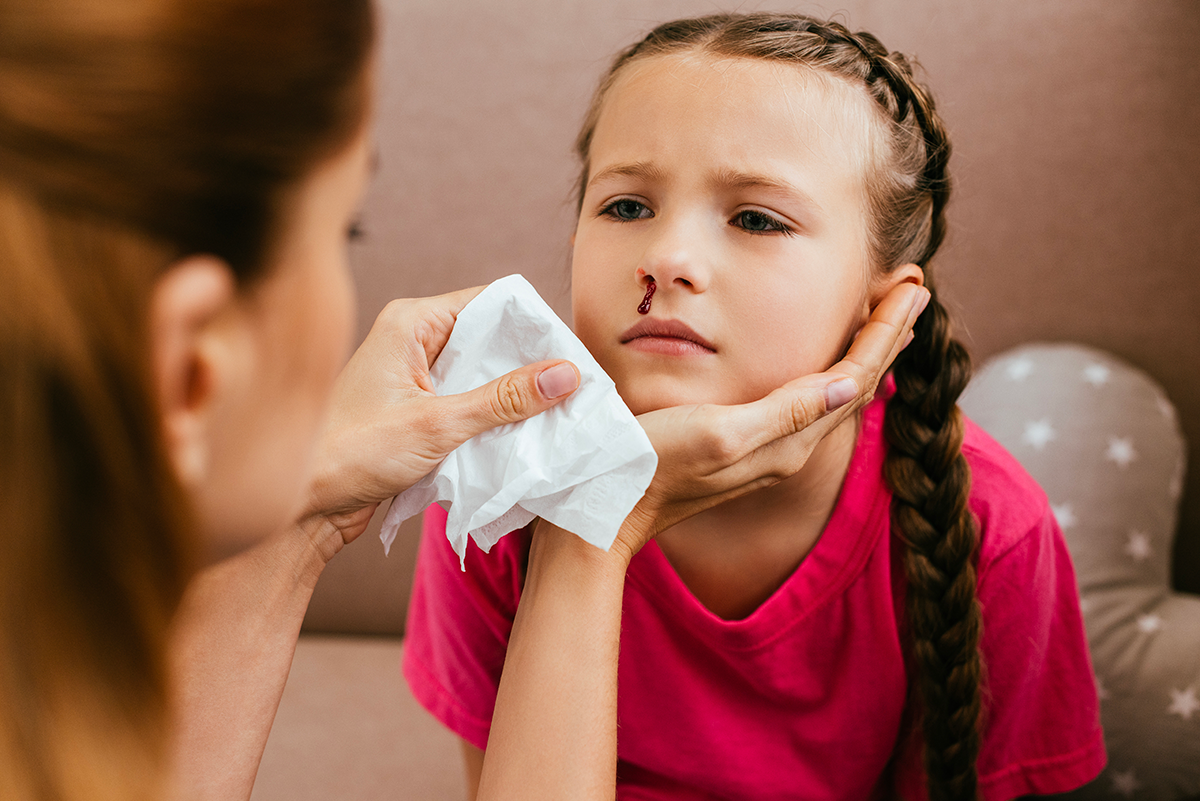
pixel 556 381
pixel 839 393
pixel 908 340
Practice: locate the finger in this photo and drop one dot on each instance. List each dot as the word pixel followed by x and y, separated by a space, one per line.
pixel 800 404
pixel 417 329
pixel 883 337
pixel 454 302
pixel 850 384
pixel 437 316
pixel 907 334
pixel 740 430
pixel 511 398
pixel 803 416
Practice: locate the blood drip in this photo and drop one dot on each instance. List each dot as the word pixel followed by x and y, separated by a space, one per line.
pixel 645 307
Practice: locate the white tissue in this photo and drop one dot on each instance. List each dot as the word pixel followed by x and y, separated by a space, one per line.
pixel 581 465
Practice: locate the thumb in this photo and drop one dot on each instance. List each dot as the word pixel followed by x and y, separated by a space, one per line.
pixel 510 398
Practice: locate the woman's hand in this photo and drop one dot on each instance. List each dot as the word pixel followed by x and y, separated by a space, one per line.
pixel 709 454
pixel 387 428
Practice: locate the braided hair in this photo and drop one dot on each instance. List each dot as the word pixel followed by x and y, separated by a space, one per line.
pixel 907 191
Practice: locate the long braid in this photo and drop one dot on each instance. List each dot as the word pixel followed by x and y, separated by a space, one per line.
pixel 907 192
pixel 930 481
pixel 924 466
pixel 930 478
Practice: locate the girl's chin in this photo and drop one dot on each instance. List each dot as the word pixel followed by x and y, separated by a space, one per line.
pixel 649 393
pixel 645 399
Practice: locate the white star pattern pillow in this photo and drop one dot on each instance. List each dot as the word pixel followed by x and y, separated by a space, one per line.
pixel 1104 442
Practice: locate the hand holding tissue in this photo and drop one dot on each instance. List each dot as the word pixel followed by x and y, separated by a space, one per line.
pixel 582 465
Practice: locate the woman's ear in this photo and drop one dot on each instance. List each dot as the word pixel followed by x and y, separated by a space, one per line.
pixel 883 284
pixel 188 307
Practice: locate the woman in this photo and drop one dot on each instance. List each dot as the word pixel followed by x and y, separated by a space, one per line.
pixel 177 179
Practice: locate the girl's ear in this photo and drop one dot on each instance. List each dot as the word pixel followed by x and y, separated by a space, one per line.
pixel 190 309
pixel 883 284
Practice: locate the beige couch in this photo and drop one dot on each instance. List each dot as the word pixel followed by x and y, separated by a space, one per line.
pixel 349 729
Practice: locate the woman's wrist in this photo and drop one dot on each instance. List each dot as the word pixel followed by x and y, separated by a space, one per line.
pixel 306 547
pixel 240 617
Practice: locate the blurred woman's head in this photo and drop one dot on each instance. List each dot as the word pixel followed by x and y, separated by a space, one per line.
pixel 176 181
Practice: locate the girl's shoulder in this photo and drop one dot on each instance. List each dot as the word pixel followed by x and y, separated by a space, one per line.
pixel 493 578
pixel 1008 503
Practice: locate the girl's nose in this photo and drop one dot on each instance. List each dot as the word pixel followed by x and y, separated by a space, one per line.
pixel 674 263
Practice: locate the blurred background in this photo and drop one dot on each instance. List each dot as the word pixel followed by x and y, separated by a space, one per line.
pixel 1075 216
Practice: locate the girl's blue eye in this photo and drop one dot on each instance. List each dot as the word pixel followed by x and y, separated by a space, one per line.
pixel 626 209
pixel 759 223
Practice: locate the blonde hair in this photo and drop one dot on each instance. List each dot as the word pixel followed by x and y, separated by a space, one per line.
pixel 907 188
pixel 131 134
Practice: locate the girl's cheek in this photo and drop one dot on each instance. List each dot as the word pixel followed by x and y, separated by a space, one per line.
pixel 591 304
pixel 585 328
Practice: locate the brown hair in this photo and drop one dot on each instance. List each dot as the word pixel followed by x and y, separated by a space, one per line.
pixel 131 134
pixel 907 191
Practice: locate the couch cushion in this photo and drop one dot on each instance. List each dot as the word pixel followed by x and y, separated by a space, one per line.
pixel 1103 440
pixel 347 728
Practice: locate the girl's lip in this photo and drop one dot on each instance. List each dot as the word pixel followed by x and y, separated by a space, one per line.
pixel 662 332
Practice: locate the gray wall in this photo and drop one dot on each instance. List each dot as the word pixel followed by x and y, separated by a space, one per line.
pixel 1076 128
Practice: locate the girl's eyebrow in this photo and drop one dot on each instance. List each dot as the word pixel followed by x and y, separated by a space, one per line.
pixel 723 179
pixel 634 169
pixel 734 179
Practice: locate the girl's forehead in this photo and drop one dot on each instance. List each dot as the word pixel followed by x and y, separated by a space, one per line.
pixel 740 100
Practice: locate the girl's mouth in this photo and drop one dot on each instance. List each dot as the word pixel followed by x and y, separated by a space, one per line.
pixel 667 337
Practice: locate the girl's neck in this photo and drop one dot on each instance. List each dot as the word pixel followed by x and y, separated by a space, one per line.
pixel 734 556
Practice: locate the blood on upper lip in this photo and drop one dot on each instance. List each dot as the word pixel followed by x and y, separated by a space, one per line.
pixel 644 308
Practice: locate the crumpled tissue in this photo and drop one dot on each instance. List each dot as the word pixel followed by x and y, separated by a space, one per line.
pixel 581 465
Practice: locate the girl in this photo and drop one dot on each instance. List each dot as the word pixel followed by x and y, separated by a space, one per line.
pixel 899 617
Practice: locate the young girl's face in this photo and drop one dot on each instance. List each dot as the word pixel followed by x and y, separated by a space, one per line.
pixel 737 186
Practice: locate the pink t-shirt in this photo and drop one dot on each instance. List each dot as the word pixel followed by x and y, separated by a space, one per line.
pixel 805 698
